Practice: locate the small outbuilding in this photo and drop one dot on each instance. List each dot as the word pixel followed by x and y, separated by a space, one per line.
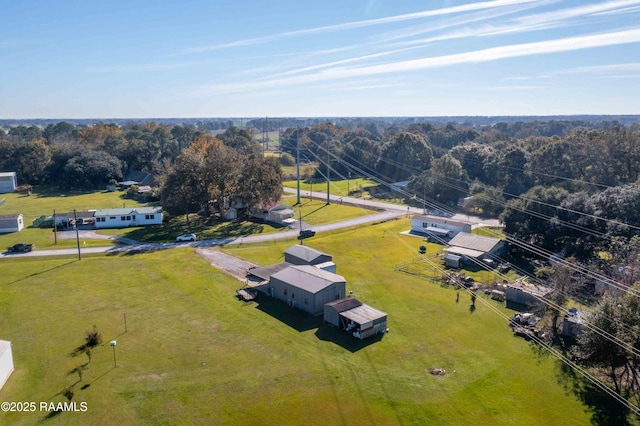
pixel 306 287
pixel 572 323
pixel 476 247
pixel 526 294
pixel 6 361
pixel 8 182
pixel 355 317
pixel 305 255
pixel 11 223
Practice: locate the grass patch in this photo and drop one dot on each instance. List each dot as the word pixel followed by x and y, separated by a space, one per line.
pixel 351 187
pixel 317 212
pixel 44 201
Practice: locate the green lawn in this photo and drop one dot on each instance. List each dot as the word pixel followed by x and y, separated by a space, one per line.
pixel 317 212
pixel 337 187
pixel 44 201
pixel 193 353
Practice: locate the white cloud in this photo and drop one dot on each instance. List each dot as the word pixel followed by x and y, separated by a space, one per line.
pixel 360 24
pixel 478 56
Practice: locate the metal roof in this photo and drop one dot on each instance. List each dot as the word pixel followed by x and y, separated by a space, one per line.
pixel 437 231
pixel 308 278
pixel 125 211
pixel 345 304
pixel 265 272
pixel 305 252
pixel 363 314
pixel 464 251
pixel 474 242
pixel 441 220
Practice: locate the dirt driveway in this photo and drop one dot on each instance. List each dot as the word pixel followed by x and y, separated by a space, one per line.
pixel 230 265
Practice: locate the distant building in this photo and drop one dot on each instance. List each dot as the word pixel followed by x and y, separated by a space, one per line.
pixel 572 323
pixel 8 182
pixel 305 255
pixel 471 246
pixel 125 217
pixel 355 317
pixel 276 213
pixel 6 362
pixel 438 226
pixel 306 287
pixel 11 223
pixel 527 294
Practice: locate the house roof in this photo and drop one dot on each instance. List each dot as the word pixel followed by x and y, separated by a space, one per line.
pixel 5 174
pixel 283 212
pixel 474 242
pixel 126 211
pixel 441 220
pixel 345 304
pixel 308 278
pixel 363 314
pixel 138 177
pixel 532 289
pixel 305 253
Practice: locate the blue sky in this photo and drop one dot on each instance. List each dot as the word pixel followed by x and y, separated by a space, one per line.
pixel 79 59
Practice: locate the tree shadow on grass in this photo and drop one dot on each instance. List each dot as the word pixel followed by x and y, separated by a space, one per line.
pixel 43 272
pixel 605 410
pixel 344 339
pixel 294 318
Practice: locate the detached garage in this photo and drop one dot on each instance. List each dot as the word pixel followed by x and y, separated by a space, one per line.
pixel 6 362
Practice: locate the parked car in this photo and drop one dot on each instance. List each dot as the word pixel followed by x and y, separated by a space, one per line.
pixel 306 233
pixel 21 248
pixel 186 237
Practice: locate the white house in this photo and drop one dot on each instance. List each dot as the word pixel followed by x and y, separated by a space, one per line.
pixel 11 223
pixel 438 226
pixel 8 182
pixel 6 362
pixel 276 213
pixel 125 217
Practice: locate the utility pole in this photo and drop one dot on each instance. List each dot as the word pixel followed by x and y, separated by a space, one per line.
pixel 298 159
pixel 75 219
pixel 328 175
pixel 55 228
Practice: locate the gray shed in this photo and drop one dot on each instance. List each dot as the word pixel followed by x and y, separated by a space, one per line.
pixel 305 255
pixel 306 287
pixel 355 317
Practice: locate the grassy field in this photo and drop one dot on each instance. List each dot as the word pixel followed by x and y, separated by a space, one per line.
pixel 43 201
pixel 337 187
pixel 193 353
pixel 317 212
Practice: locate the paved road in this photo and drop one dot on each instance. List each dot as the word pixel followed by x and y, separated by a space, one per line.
pixel 386 211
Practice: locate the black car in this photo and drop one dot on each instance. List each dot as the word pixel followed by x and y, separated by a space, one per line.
pixel 306 233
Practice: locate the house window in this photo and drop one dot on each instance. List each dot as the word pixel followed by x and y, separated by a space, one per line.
pixel 149 217
pixel 128 217
pixel 112 218
pixel 123 218
pixel 306 301
pixel 293 295
pixel 134 217
pixel 285 291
